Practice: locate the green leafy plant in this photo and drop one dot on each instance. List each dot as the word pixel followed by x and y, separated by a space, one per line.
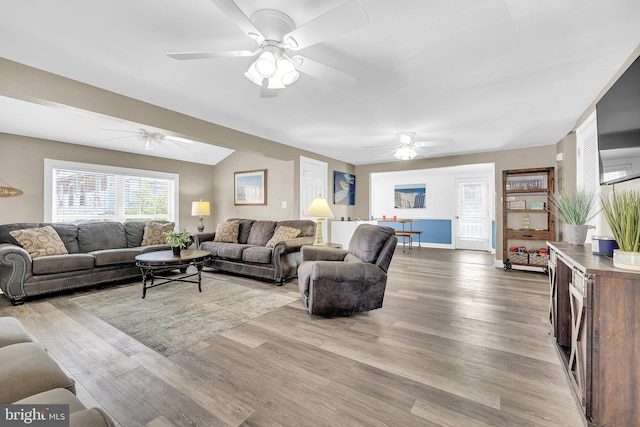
pixel 574 207
pixel 622 211
pixel 178 239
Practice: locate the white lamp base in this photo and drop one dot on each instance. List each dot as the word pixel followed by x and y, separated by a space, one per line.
pixel 319 239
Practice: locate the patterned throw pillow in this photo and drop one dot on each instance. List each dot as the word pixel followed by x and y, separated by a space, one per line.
pixel 227 232
pixel 283 233
pixel 40 241
pixel 155 233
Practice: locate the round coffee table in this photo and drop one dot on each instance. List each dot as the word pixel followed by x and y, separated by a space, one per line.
pixel 159 261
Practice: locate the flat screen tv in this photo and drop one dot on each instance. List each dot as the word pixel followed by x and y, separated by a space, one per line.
pixel 618 115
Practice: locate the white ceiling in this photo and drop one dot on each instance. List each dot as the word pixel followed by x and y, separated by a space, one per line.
pixel 489 74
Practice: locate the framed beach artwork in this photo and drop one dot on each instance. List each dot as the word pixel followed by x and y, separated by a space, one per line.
pixel 344 188
pixel 409 196
pixel 250 188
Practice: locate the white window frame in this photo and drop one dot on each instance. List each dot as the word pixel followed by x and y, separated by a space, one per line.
pixel 51 164
pixel 587 165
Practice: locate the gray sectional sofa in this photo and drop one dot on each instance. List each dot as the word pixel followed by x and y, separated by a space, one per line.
pixel 30 377
pixel 98 253
pixel 249 254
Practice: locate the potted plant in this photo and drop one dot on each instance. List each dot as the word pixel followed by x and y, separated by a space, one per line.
pixel 178 240
pixel 622 210
pixel 575 208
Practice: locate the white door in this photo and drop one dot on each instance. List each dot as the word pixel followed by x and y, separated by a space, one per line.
pixel 472 222
pixel 313 181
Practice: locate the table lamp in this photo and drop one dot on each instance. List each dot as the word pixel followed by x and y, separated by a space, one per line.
pixel 200 209
pixel 321 210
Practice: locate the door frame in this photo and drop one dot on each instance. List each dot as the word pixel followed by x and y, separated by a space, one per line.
pixel 486 244
pixel 304 203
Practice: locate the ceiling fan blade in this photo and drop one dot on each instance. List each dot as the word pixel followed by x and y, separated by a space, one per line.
pixel 323 72
pixel 388 153
pixel 433 142
pixel 237 16
pixel 178 140
pixel 120 137
pixel 265 92
pixel 343 19
pixel 212 55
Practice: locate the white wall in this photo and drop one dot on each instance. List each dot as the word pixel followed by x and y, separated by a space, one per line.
pixel 440 198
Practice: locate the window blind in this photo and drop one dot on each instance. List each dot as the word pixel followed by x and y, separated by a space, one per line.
pixel 81 192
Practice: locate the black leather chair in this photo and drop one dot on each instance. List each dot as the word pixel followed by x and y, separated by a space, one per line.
pixel 341 282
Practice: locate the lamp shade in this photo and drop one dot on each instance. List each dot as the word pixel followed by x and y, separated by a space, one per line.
pixel 200 208
pixel 319 208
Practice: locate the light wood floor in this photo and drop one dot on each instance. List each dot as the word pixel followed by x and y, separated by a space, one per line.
pixel 457 343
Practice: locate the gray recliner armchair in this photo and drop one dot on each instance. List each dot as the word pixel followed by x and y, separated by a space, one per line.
pixel 341 282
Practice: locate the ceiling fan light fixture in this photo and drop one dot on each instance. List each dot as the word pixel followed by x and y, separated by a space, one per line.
pixel 149 144
pixel 405 153
pixel 253 75
pixel 406 137
pixel 266 65
pixel 287 72
pixel 275 82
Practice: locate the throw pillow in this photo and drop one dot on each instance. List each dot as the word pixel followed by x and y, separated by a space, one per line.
pixel 227 232
pixel 155 233
pixel 283 233
pixel 40 241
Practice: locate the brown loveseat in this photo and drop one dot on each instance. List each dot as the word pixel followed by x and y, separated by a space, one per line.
pixel 245 246
pixel 97 253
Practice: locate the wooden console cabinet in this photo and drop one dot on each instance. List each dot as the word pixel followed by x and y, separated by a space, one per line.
pixel 594 314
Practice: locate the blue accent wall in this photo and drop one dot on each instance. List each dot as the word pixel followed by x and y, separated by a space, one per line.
pixel 433 230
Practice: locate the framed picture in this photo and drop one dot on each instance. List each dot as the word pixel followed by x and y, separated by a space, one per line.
pixel 409 196
pixel 250 188
pixel 344 188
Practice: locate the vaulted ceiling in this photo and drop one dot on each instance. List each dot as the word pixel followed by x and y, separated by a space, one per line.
pixel 488 74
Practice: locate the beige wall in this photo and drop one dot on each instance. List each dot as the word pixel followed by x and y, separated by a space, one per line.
pixel 23 168
pixel 280 188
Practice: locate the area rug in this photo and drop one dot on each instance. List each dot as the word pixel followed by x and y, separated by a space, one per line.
pixel 175 316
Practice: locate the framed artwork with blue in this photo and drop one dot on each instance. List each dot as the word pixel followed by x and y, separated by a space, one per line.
pixel 409 196
pixel 344 188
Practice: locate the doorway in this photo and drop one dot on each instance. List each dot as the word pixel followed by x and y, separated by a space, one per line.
pixel 313 181
pixel 473 219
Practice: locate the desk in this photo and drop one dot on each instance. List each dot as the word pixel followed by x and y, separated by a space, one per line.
pixel 406 234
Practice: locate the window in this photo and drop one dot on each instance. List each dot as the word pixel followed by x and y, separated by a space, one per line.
pixel 78 192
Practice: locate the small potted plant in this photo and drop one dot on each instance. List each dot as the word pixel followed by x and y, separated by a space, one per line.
pixel 575 208
pixel 622 210
pixel 178 240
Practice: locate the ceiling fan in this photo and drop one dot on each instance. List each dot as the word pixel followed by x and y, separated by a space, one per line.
pixel 277 36
pixel 406 147
pixel 151 139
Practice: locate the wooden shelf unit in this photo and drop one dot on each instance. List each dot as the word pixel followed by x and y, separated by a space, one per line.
pixel 527 187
